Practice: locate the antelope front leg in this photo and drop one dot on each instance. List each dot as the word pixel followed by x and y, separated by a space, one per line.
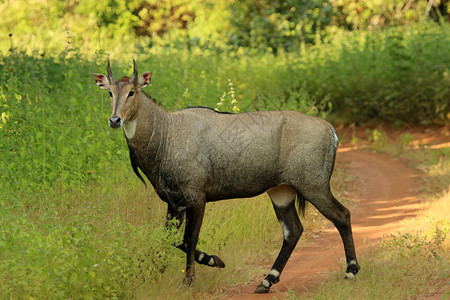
pixel 194 218
pixel 200 257
pixel 204 258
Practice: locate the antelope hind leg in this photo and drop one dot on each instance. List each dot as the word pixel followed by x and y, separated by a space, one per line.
pixel 334 211
pixel 284 205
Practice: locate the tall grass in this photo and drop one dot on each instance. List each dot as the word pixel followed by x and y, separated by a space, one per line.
pixel 108 240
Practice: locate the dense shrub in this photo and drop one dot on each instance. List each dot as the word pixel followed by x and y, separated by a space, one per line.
pixel 396 75
pixel 78 259
pixel 221 25
pixel 50 122
pixel 378 14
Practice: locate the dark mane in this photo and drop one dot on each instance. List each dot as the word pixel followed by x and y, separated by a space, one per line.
pixel 153 99
pixel 206 107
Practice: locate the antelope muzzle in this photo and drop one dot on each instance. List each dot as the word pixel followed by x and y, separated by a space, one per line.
pixel 115 122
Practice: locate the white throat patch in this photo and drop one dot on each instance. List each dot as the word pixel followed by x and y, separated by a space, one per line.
pixel 129 128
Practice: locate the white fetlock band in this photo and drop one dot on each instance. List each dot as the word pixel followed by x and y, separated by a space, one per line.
pixel 350 276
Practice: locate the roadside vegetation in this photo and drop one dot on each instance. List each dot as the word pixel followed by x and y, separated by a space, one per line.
pixel 74 220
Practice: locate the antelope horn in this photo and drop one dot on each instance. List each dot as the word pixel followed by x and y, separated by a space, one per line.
pixel 110 76
pixel 135 72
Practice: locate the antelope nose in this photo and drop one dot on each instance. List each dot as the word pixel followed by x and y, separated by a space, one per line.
pixel 114 122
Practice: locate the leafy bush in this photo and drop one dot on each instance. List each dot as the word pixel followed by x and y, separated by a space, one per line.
pixel 78 259
pixel 51 123
pixel 263 25
pixel 220 25
pixel 376 14
pixel 427 245
pixel 395 75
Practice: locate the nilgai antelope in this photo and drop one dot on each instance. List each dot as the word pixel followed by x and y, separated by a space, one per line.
pixel 198 155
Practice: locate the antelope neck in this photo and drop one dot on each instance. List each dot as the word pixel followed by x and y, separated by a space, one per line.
pixel 148 118
pixel 130 128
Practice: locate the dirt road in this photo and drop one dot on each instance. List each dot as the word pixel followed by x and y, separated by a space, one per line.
pixel 386 191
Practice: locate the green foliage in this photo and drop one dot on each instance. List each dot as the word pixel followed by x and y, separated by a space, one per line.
pixel 428 245
pixel 219 25
pixel 51 123
pixel 78 259
pixel 264 25
pixel 405 141
pixel 377 139
pixel 398 75
pixel 386 75
pixel 379 13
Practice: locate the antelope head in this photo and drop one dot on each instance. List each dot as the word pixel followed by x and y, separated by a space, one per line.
pixel 124 93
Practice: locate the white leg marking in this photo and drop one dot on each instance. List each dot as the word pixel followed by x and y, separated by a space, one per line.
pixel 265 283
pixel 200 257
pixel 130 128
pixel 211 261
pixel 285 230
pixel 274 273
pixel 350 276
pixel 282 195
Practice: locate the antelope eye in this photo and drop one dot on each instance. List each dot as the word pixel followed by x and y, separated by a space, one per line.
pixel 131 93
pixel 110 94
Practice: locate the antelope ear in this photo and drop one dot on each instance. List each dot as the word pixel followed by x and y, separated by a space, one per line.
pixel 102 81
pixel 145 78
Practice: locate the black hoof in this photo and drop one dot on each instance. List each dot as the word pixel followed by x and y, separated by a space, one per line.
pixel 352 269
pixel 188 280
pixel 262 289
pixel 218 262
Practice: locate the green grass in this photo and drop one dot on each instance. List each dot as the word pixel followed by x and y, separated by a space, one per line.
pixel 386 275
pixel 107 241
